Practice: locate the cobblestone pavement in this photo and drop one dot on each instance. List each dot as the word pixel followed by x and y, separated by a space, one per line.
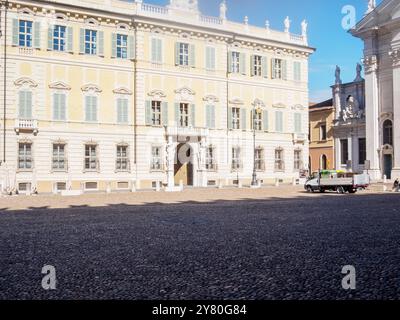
pixel 276 243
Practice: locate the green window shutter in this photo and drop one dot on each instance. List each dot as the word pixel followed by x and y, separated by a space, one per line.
pixel 164 111
pixel 177 114
pixel 159 51
pixel 119 110
pixel 243 119
pixel 273 74
pixel 50 34
pixel 230 124
pixel 15 34
pixel 153 50
pixel 297 71
pixel 63 106
pixel 210 58
pixel 131 48
pixel 82 41
pixel 252 120
pixel 148 113
pixel 94 108
pixel 279 121
pixel 264 61
pixel 87 108
pixel 70 39
pixel 193 115
pixel 126 110
pixel 113 45
pixel 252 65
pixel 284 70
pixel 36 31
pixel 243 63
pixel 265 120
pixel 208 116
pixel 177 48
pixel 56 106
pixel 297 123
pixel 230 62
pixel 192 55
pixel 213 124
pixel 22 104
pixel 100 43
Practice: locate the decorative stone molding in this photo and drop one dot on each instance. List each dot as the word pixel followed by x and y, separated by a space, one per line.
pixel 279 106
pixel 123 91
pixel 92 21
pixel 26 11
pixel 91 87
pixel 159 94
pixel 370 64
pixel 25 81
pixel 258 103
pixel 211 98
pixel 61 16
pixel 59 85
pixel 236 101
pixel 59 141
pixel 185 94
pixel 395 55
pixel 385 116
pixel 298 107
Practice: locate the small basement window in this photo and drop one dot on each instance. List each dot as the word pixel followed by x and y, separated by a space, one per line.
pixel 60 186
pixel 123 185
pixel 91 185
pixel 24 186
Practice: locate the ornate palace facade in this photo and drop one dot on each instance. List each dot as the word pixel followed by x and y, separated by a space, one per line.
pixel 114 95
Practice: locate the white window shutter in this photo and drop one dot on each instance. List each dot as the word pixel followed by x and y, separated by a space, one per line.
pixel 230 118
pixel 15 32
pixel 100 43
pixel 230 70
pixel 82 41
pixel 131 48
pixel 177 113
pixel 264 61
pixel 70 39
pixel 193 115
pixel 177 53
pixel 36 32
pixel 243 63
pixel 297 123
pixel 154 50
pixel 284 70
pixel 159 51
pixel 273 68
pixel 252 65
pixel 148 115
pixel 56 107
pixel 192 55
pixel 265 120
pixel 63 104
pixel 164 111
pixel 113 45
pixel 243 119
pixel 213 125
pixel 50 34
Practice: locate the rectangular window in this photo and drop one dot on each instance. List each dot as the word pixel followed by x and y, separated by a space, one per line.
pixel 59 38
pixel 279 160
pixel 297 71
pixel 90 42
pixel 59 160
pixel 259 159
pixel 278 121
pixel 91 109
pixel 91 160
pixel 344 150
pixel 59 106
pixel 297 160
pixel 235 62
pixel 122 110
pixel 122 46
pixel 277 68
pixel 184 115
pixel 210 58
pixel 184 54
pixel 236 118
pixel 297 123
pixel 156 159
pixel 156 116
pixel 236 160
pixel 25 33
pixel 211 164
pixel 323 133
pixel 362 151
pixel 122 163
pixel 258 120
pixel 156 50
pixel 257 66
pixel 25 161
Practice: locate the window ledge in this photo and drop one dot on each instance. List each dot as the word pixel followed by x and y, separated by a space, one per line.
pixel 24 170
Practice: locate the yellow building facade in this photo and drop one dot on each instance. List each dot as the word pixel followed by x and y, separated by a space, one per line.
pixel 104 95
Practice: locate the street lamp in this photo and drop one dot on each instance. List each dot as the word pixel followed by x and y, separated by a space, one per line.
pixel 256 112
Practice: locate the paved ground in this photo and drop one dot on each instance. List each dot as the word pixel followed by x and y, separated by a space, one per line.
pixel 257 244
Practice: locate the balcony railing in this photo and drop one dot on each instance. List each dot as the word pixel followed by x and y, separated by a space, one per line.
pixel 25 50
pixel 187 131
pixel 154 9
pixel 26 125
pixel 157 167
pixel 210 20
pixel 299 137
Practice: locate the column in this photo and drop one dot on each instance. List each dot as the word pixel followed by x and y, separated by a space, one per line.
pixel 338 155
pixel 350 152
pixel 355 156
pixel 372 115
pixel 170 163
pixel 396 114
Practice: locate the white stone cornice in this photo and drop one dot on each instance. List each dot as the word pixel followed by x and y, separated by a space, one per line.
pixel 91 87
pixel 59 85
pixel 211 98
pixel 123 90
pixel 25 81
pixel 236 101
pixel 185 91
pixel 279 106
pixel 159 94
pixel 370 64
pixel 298 107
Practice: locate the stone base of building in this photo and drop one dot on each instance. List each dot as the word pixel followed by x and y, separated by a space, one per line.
pixel 375 175
pixel 396 173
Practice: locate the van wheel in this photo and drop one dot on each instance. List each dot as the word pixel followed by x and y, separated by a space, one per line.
pixel 310 189
pixel 321 190
pixel 340 190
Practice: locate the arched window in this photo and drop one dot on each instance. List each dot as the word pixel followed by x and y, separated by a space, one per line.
pixel 324 162
pixel 388 132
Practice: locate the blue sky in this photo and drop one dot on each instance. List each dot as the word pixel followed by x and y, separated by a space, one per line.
pixel 335 46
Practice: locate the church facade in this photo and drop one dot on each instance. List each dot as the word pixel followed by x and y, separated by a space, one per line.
pixel 107 95
pixel 380 31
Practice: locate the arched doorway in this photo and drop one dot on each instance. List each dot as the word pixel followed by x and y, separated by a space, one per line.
pixel 183 169
pixel 324 162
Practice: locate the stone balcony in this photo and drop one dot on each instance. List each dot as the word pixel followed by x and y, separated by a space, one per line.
pixel 26 125
pixel 299 138
pixel 187 131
